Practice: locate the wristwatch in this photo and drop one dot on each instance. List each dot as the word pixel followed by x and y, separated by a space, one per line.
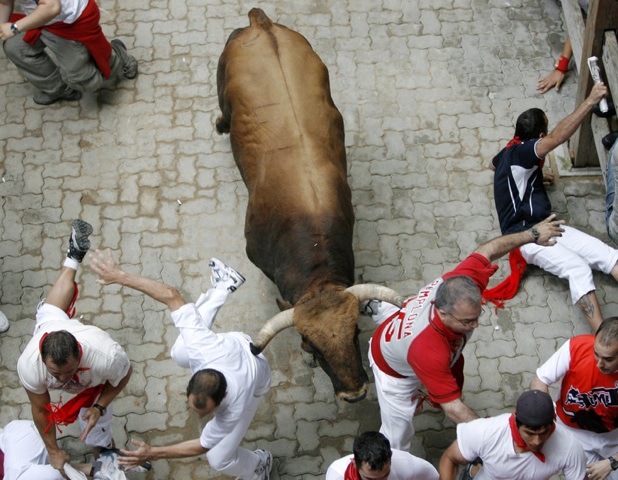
pixel 100 408
pixel 14 29
pixel 613 462
pixel 535 234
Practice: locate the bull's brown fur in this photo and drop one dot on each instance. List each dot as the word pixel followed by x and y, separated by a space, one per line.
pixel 287 137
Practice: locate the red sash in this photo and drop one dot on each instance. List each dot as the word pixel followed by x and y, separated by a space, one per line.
pixel 66 414
pixel 86 30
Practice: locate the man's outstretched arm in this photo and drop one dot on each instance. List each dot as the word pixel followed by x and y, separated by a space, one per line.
pixel 110 272
pixel 144 452
pixel 497 247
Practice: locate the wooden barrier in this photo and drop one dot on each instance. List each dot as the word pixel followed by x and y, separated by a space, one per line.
pixel 594 37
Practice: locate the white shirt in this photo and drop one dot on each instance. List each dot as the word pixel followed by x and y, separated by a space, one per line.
pixel 103 360
pixel 404 466
pixel 70 10
pixel 247 375
pixel 492 441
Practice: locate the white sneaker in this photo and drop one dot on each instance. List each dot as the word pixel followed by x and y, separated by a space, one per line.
pixel 262 472
pixel 224 276
pixel 106 468
pixel 369 307
pixel 4 323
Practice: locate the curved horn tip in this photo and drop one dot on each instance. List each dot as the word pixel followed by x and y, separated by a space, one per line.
pixel 255 350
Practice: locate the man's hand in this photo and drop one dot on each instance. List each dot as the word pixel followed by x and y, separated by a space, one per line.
pixel 5 31
pixel 548 229
pixel 597 93
pixel 554 79
pixel 598 470
pixel 91 416
pixel 103 264
pixel 548 179
pixel 58 458
pixel 134 458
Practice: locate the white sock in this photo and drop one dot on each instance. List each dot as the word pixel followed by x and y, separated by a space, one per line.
pixel 71 263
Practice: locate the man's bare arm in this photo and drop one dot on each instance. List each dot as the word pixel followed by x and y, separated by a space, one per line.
pixel 57 457
pixel 458 412
pixel 537 384
pixel 499 246
pixel 566 128
pixel 44 13
pixel 6 9
pixel 110 272
pixel 144 452
pixel 107 395
pixel 450 461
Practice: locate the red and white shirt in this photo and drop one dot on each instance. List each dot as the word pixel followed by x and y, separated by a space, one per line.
pixel 415 343
pixel 588 398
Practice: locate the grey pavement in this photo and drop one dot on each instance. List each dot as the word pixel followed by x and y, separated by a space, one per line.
pixel 429 91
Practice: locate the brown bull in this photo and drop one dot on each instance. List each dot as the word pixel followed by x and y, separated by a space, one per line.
pixel 288 142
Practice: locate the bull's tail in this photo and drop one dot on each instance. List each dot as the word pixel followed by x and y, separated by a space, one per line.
pixel 257 18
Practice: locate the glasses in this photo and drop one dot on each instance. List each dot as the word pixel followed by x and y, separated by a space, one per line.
pixel 467 322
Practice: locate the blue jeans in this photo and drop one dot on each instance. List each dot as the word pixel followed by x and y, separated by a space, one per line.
pixel 610 180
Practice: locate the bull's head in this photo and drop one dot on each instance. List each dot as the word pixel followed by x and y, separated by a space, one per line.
pixel 328 323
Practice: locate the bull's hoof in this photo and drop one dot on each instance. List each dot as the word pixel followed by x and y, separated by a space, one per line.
pixel 309 359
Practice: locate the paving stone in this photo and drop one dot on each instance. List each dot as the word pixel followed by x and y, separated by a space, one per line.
pixel 429 92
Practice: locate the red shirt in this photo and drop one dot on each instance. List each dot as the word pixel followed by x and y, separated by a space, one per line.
pixel 415 343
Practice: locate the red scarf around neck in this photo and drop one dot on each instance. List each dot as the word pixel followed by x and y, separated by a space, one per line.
pixel 351 473
pixel 520 441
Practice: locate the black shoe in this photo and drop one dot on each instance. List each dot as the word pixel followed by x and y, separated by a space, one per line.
pixel 79 242
pixel 611 110
pixel 609 139
pixel 129 64
pixel 42 98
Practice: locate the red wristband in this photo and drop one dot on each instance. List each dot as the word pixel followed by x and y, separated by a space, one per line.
pixel 562 65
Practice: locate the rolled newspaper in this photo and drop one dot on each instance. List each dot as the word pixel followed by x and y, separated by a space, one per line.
pixel 595 71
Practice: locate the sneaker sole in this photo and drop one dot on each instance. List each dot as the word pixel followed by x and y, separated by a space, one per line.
pixel 81 231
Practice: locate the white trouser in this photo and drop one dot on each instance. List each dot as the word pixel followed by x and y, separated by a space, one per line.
pixel 597 446
pixel 25 456
pixel 208 305
pixel 230 459
pixel 573 258
pixel 397 398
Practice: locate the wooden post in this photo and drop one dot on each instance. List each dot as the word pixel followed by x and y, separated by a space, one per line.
pixel 602 16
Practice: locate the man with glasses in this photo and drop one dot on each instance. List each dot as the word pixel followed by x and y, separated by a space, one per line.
pixel 421 343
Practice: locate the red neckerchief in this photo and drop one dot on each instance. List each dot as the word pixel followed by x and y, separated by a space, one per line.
pixel 509 286
pixel 520 441
pixel 454 339
pixel 351 473
pixel 86 29
pixel 514 141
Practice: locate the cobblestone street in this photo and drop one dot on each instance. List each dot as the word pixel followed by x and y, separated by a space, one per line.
pixel 429 92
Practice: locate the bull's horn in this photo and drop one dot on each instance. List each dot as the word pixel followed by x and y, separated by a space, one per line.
pixel 276 324
pixel 369 291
